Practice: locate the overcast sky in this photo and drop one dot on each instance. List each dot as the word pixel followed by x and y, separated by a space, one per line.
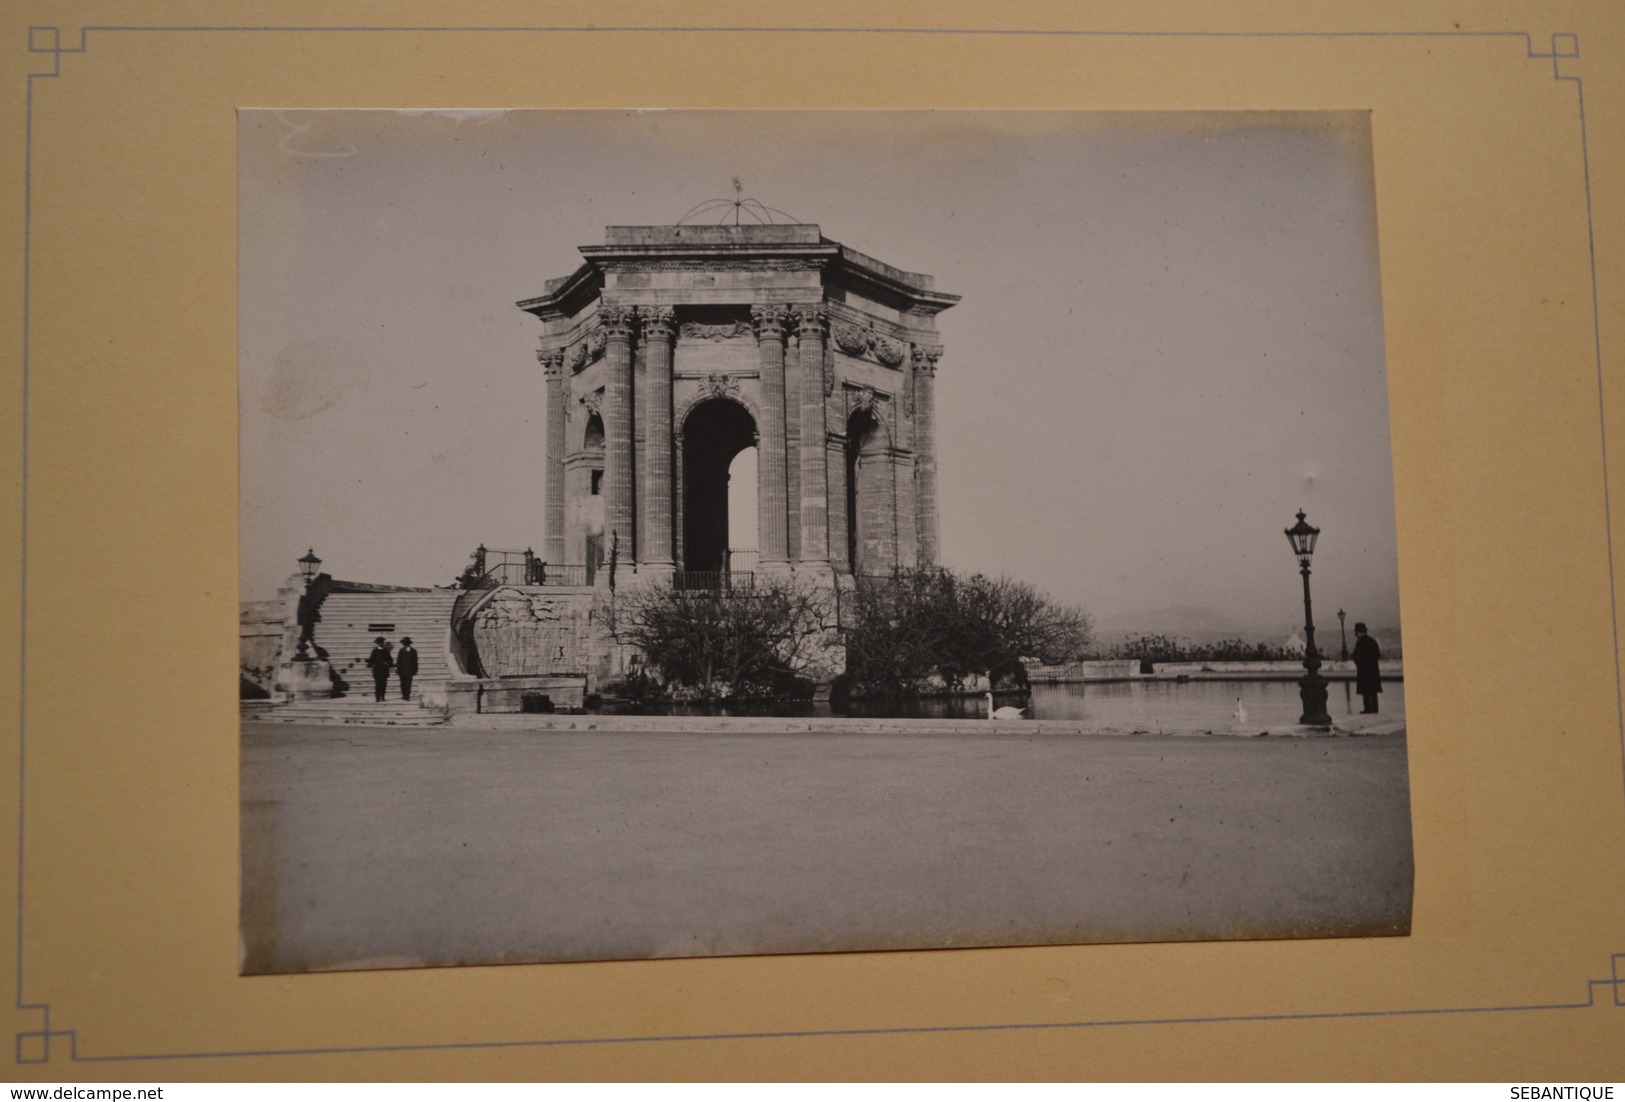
pixel 1170 338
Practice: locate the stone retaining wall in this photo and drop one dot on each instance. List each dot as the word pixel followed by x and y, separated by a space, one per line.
pixel 540 631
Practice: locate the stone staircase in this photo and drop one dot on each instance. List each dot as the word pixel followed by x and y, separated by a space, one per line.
pixel 350 622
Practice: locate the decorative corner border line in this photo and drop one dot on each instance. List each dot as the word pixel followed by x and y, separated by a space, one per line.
pixel 34 1046
pixel 1615 981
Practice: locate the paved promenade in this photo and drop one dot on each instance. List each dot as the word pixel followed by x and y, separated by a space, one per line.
pixel 367 847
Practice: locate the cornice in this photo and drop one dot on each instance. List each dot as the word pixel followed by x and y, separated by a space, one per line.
pixel 910 293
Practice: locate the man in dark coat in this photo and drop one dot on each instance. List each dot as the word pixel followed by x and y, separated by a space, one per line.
pixel 1367 678
pixel 381 663
pixel 406 664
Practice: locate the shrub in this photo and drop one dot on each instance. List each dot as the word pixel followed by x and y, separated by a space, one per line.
pixel 930 628
pixel 717 644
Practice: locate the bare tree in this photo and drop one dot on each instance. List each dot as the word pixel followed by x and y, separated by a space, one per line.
pixel 720 643
pixel 905 632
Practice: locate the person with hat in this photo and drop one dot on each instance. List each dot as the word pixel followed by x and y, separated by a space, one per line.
pixel 406 664
pixel 381 663
pixel 1367 677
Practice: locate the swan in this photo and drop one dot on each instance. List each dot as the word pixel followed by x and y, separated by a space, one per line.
pixel 1003 713
pixel 1241 712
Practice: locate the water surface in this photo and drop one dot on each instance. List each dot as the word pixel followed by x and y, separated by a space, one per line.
pixel 1131 705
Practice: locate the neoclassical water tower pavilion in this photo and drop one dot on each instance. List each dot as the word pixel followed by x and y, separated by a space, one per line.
pixel 671 349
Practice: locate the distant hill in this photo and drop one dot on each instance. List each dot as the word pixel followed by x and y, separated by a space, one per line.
pixel 1190 621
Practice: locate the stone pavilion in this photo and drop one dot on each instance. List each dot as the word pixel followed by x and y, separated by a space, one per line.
pixel 672 349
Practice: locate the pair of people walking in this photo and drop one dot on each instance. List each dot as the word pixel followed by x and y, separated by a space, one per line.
pixel 381 661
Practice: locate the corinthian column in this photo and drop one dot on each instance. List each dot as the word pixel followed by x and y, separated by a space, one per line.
pixel 617 321
pixel 654 544
pixel 772 485
pixel 552 361
pixel 810 319
pixel 925 450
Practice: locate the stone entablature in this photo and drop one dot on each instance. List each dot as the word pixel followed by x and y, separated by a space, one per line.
pixel 828 355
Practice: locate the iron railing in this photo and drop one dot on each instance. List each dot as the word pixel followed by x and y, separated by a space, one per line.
pixel 512 568
pixel 557 573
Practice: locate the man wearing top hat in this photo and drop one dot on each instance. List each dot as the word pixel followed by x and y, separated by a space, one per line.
pixel 1367 675
pixel 381 663
pixel 406 664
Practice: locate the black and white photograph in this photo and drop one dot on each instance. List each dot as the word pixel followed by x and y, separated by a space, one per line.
pixel 702 533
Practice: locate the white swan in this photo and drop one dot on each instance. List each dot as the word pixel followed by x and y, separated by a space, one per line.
pixel 1003 713
pixel 1241 712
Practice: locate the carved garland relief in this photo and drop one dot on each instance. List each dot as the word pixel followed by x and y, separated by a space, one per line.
pixel 693 330
pixel 862 340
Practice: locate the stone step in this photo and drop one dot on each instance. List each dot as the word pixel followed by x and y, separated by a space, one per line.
pixel 400 600
pixel 363 613
pixel 403 625
pixel 345 632
pixel 337 601
pixel 427 719
pixel 350 660
pixel 349 710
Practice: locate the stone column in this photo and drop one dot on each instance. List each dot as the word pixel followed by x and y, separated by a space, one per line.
pixel 904 492
pixel 552 361
pixel 810 320
pixel 838 423
pixel 617 321
pixel 654 543
pixel 772 481
pixel 925 450
pixel 792 451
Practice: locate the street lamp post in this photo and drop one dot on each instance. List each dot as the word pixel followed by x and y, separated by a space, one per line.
pixel 1312 688
pixel 1343 634
pixel 308 562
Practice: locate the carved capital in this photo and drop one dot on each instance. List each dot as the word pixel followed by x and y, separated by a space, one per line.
pixel 810 318
pixel 770 321
pixel 925 358
pixel 657 322
pixel 617 320
pixel 552 361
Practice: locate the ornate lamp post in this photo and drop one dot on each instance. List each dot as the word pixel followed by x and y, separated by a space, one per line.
pixel 1343 634
pixel 1312 688
pixel 308 562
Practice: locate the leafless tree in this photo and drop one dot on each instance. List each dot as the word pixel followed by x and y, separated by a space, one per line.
pixel 722 643
pixel 922 626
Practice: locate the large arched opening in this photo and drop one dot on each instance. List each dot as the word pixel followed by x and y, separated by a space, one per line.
pixel 717 434
pixel 592 501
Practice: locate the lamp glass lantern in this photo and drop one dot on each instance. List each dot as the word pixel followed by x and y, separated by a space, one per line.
pixel 1302 536
pixel 308 562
